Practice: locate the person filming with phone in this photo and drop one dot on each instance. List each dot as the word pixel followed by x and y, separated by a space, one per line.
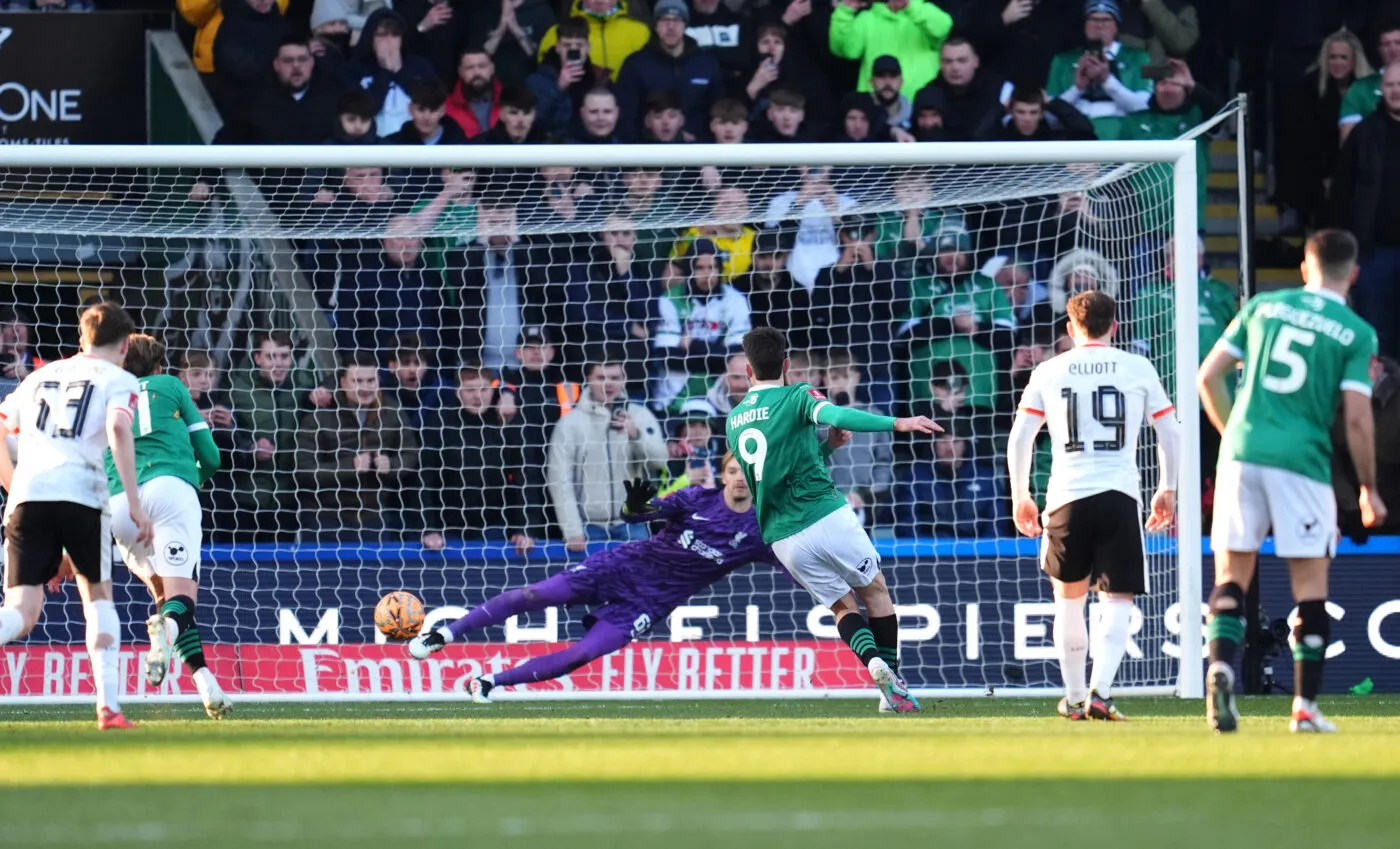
pixel 1105 80
pixel 564 78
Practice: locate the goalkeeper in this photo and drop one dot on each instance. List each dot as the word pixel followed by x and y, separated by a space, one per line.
pixel 175 455
pixel 708 534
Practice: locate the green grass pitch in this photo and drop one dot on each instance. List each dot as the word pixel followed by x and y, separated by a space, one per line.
pixel 986 773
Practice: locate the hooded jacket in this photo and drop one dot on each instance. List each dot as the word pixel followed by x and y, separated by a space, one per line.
pixel 611 37
pixel 695 74
pixel 390 88
pixel 207 17
pixel 914 35
pixel 558 110
pixel 589 459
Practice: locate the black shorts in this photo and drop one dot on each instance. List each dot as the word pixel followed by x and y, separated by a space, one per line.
pixel 38 532
pixel 1099 538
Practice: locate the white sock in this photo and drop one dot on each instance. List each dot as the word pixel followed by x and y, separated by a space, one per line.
pixel 1072 644
pixel 102 621
pixel 203 680
pixel 11 624
pixel 1110 643
pixel 489 678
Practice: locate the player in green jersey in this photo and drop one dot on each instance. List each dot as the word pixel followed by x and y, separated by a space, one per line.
pixel 812 529
pixel 1301 348
pixel 175 455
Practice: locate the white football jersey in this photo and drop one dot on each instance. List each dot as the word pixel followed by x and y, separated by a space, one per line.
pixel 1094 400
pixel 60 415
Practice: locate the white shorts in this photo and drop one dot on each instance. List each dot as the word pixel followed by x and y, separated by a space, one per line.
pixel 173 506
pixel 830 557
pixel 1250 499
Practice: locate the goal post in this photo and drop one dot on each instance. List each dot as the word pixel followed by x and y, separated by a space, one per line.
pixel 966 250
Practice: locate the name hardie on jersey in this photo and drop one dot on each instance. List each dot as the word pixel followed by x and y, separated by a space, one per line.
pixel 1094 400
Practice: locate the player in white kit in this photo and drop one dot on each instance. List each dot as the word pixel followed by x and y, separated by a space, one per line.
pixel 1094 399
pixel 66 415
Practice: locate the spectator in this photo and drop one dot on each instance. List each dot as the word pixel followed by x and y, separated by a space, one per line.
pixel 269 395
pixel 15 353
pixel 1104 80
pixel 775 299
pixel 603 443
pixel 700 323
pixel 718 29
pixel 380 66
pixel 912 31
pixel 1177 105
pixel 473 466
pixel 294 105
pixel 729 389
pixel 731 236
pixel 565 75
pixel 537 395
pixel 784 119
pixel 969 94
pixel 411 381
pixel 354 111
pixel 1081 270
pixel 1307 137
pixel 854 304
pixel 1029 299
pixel 807 367
pixel 817 207
pixel 358 463
pixel 864 467
pixel 518 122
pixel 428 124
pixel 671 61
pixel 1366 192
pixel 598 118
pixel 200 375
pixel 805 63
pixel 612 35
pixel 337 24
pixel 897 110
pixel 513 31
pixel 693 447
pixel 929 105
pixel 245 45
pixel 475 102
pixel 729 122
pixel 1163 28
pixel 207 16
pixel 358 197
pixel 392 292
pixel 1364 97
pixel 645 198
pixel 1030 117
pixel 860 120
pixel 612 305
pixel 1385 406
pixel 767 71
pixel 958 495
pixel 662 119
pixel 437 29
pixel 1018 38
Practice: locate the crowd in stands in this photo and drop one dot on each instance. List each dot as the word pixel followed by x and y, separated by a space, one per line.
pixel 506 383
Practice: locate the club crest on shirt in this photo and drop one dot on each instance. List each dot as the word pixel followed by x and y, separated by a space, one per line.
pixel 738 538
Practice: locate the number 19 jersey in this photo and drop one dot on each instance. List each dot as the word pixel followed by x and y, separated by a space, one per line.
pixel 60 414
pixel 1094 400
pixel 1301 348
pixel 772 432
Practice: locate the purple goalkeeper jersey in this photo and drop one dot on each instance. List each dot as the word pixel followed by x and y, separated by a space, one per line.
pixel 702 541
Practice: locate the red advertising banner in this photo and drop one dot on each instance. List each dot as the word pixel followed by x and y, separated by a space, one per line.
pixel 370 670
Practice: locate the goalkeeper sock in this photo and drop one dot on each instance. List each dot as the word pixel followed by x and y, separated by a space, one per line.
pixel 1110 642
pixel 1311 632
pixel 856 633
pixel 188 646
pixel 1072 645
pixel 1225 631
pixel 104 649
pixel 885 629
pixel 11 624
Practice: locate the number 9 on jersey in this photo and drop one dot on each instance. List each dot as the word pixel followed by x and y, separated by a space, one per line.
pixel 753 449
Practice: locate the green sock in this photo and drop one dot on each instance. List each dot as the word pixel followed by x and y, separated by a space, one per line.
pixel 188 647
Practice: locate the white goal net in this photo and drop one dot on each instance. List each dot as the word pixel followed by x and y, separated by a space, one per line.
pixel 384 341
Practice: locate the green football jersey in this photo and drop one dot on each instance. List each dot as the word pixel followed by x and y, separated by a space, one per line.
pixel 773 434
pixel 1301 348
pixel 165 418
pixel 1361 99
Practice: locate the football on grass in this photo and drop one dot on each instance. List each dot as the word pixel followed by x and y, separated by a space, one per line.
pixel 399 615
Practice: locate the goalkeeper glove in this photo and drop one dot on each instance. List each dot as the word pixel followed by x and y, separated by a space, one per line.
pixel 640 492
